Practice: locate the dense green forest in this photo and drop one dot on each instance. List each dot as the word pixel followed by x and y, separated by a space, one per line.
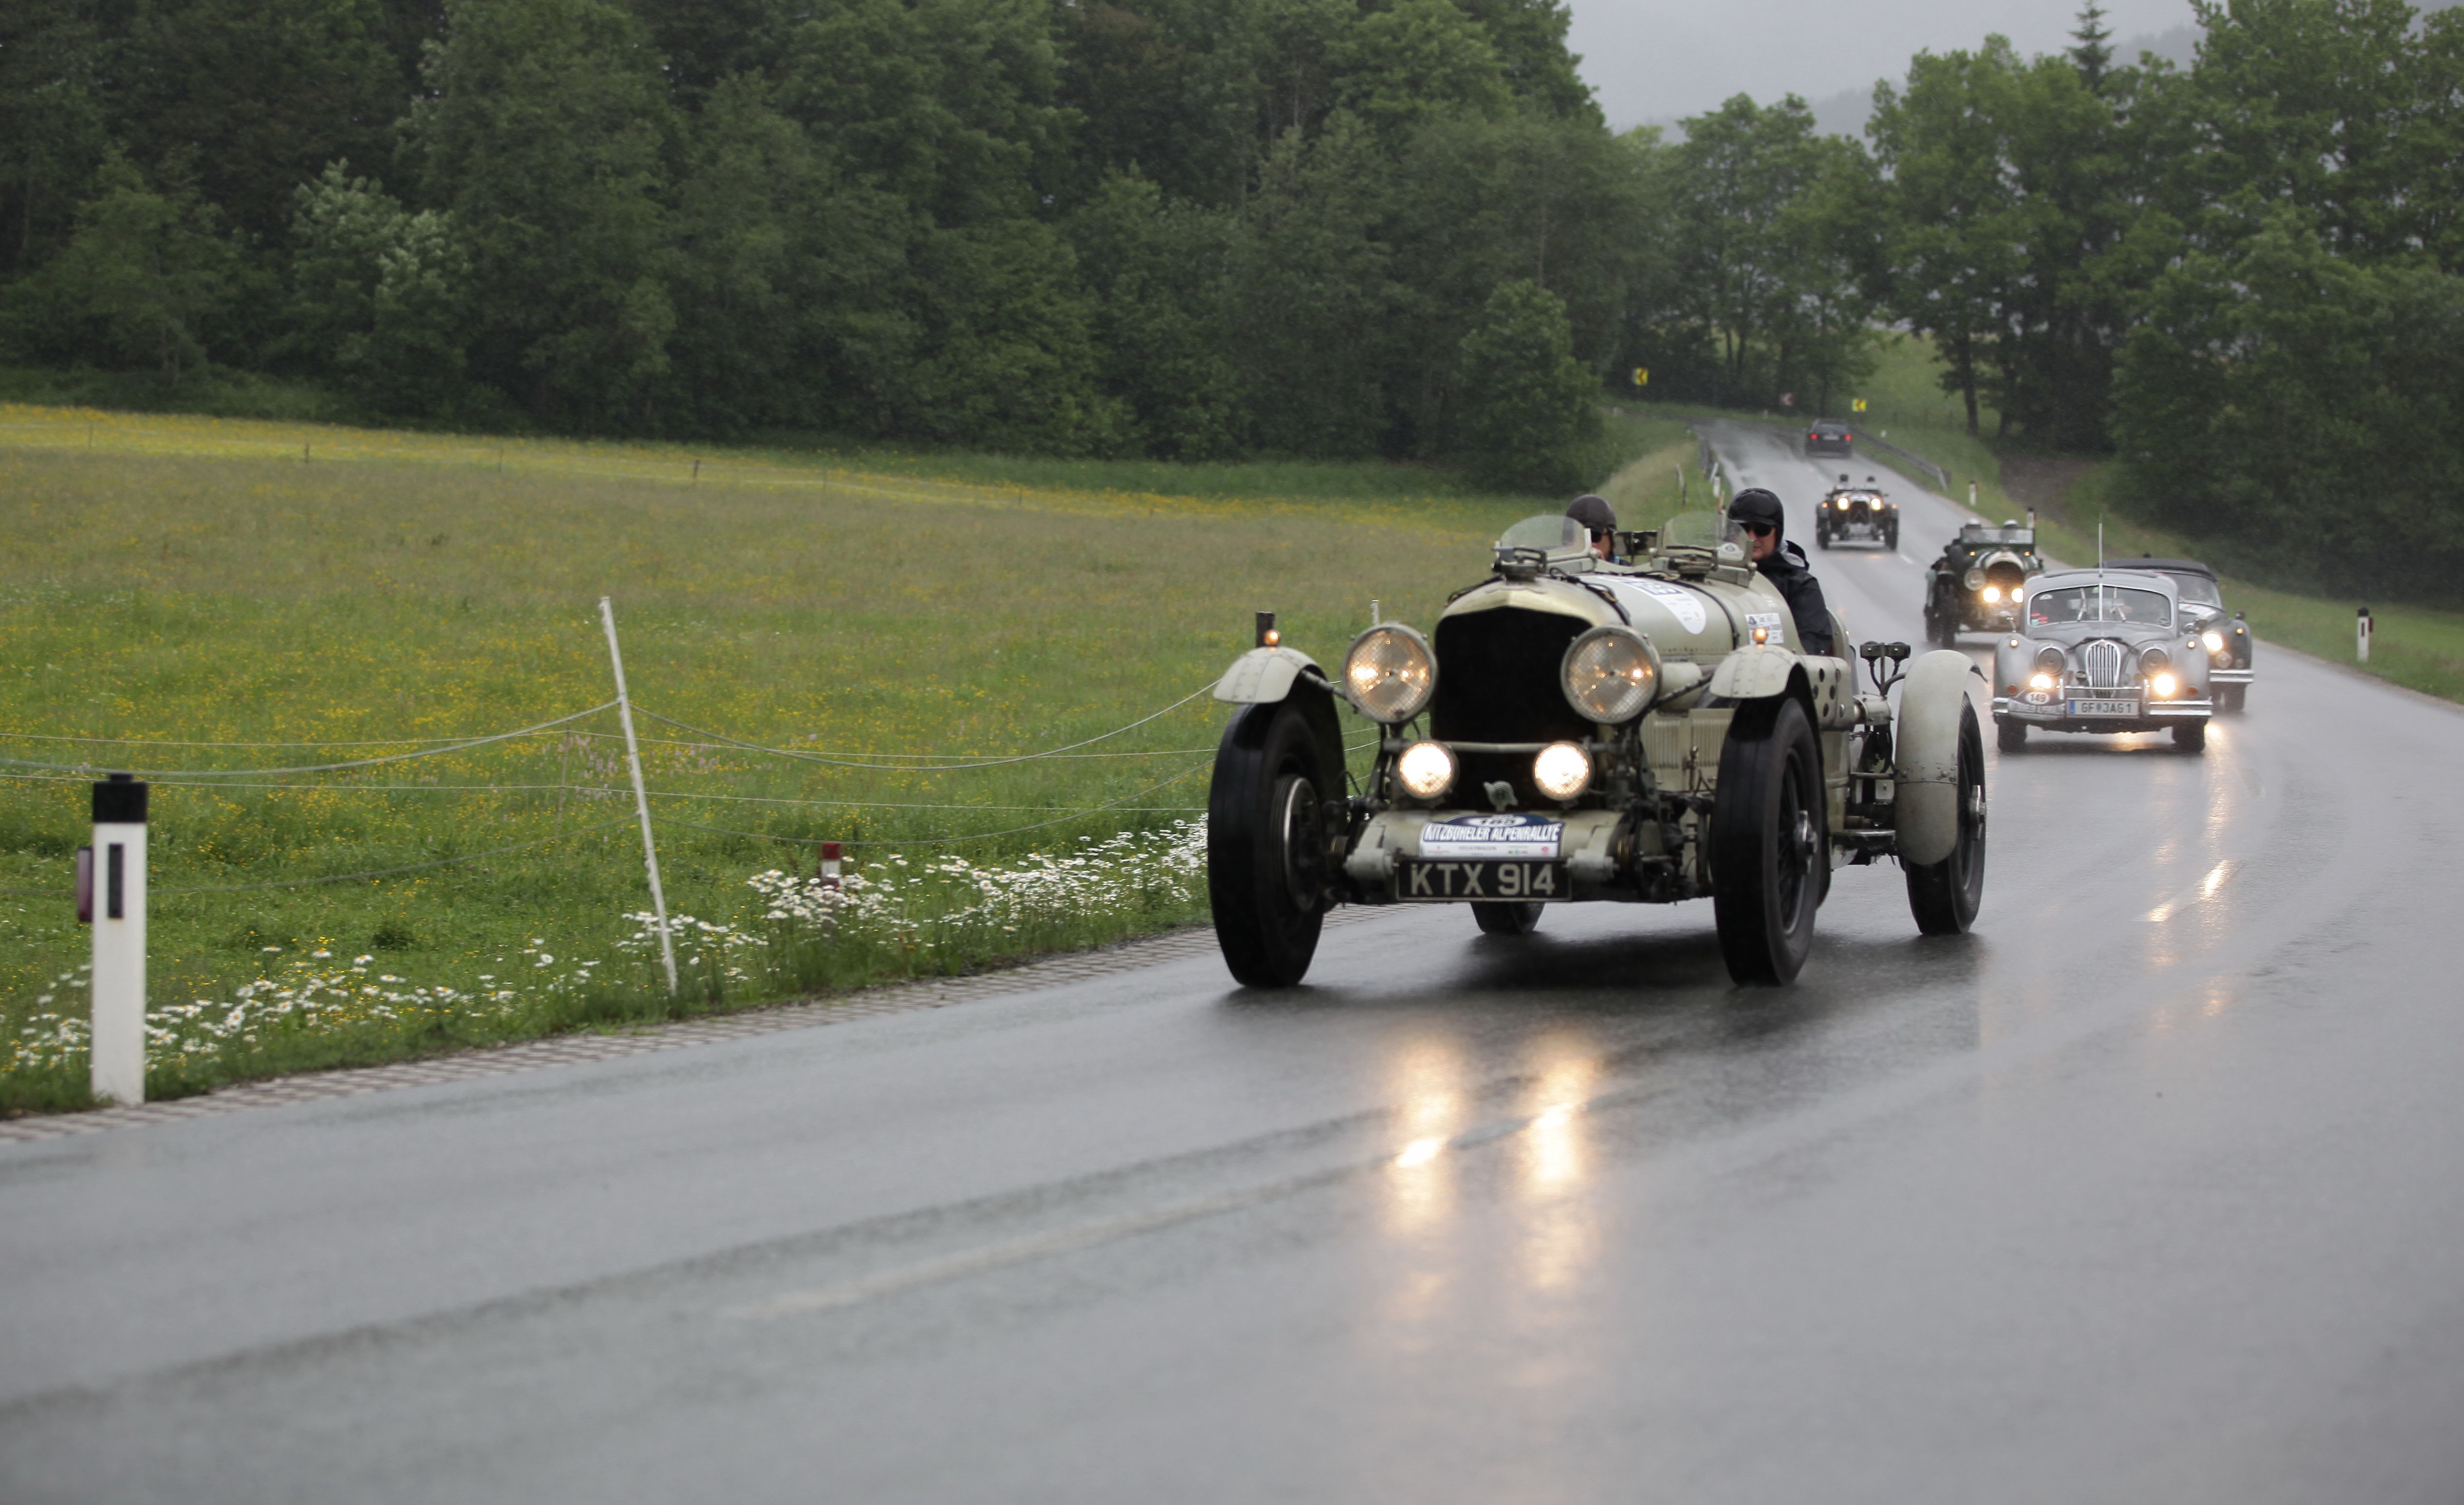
pixel 1208 229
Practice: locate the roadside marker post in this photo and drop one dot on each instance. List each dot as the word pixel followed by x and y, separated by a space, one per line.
pixel 2362 635
pixel 640 796
pixel 112 894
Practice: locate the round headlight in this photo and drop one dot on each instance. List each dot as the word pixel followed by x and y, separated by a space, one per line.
pixel 2213 641
pixel 2040 680
pixel 1610 674
pixel 1975 578
pixel 1427 769
pixel 2164 685
pixel 1993 594
pixel 1562 771
pixel 2016 595
pixel 2154 659
pixel 1390 673
pixel 2051 660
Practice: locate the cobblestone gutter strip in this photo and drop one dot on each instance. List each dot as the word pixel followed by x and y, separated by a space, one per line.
pixel 569 1050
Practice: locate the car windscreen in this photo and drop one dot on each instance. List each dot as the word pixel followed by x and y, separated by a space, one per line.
pixel 1979 533
pixel 1553 533
pixel 2197 588
pixel 2065 604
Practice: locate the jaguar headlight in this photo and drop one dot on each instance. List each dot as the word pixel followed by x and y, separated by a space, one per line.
pixel 1390 673
pixel 1562 771
pixel 2040 680
pixel 2154 659
pixel 1426 770
pixel 1610 675
pixel 2213 641
pixel 2050 660
pixel 2164 684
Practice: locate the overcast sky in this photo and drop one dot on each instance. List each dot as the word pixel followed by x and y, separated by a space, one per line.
pixel 1659 60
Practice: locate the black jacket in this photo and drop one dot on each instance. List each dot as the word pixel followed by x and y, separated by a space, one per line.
pixel 1786 568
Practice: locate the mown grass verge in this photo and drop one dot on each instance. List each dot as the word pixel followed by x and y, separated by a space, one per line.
pixel 216 581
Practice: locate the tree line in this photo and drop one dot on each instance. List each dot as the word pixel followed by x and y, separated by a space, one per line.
pixel 1208 229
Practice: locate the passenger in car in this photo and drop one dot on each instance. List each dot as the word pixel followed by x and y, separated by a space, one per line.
pixel 1783 563
pixel 1594 514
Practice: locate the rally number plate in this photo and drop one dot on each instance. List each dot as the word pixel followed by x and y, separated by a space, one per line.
pixel 2103 707
pixel 1424 881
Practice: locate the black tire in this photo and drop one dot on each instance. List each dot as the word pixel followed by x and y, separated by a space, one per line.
pixel 2229 698
pixel 1267 847
pixel 2011 736
pixel 1891 536
pixel 2191 736
pixel 1821 538
pixel 1770 847
pixel 1943 896
pixel 1506 918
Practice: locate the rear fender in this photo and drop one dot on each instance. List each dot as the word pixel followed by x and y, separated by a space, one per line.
pixel 1925 744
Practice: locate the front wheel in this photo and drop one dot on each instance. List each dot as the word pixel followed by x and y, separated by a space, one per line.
pixel 1770 851
pixel 2011 736
pixel 2229 698
pixel 1891 538
pixel 2191 736
pixel 1944 894
pixel 1497 917
pixel 1267 847
pixel 1822 538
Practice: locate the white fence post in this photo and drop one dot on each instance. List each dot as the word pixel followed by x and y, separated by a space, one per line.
pixel 2362 635
pixel 116 902
pixel 641 797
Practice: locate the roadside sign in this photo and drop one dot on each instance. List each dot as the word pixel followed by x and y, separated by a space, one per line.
pixel 1856 405
pixel 1642 376
pixel 1788 399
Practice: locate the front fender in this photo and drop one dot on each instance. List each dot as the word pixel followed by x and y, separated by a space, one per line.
pixel 1757 671
pixel 1263 676
pixel 1925 770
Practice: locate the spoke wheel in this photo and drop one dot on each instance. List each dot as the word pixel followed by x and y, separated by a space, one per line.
pixel 1769 853
pixel 1267 847
pixel 1507 917
pixel 1944 894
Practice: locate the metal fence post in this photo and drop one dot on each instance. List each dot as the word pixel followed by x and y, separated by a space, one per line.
pixel 117 873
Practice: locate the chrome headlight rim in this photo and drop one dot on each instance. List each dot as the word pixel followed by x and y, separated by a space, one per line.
pixel 1633 696
pixel 1420 751
pixel 1976 577
pixel 1368 691
pixel 2153 661
pixel 1566 790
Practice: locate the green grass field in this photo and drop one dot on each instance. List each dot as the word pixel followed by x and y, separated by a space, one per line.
pixel 188 594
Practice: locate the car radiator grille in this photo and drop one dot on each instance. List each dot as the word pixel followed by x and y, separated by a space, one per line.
pixel 1497 681
pixel 2102 660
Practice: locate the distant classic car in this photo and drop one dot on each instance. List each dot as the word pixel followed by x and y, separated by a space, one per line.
pixel 1857 513
pixel 1829 436
pixel 2102 650
pixel 2226 638
pixel 1979 579
pixel 1638 729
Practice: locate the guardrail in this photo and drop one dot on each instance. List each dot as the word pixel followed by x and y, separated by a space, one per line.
pixel 1941 478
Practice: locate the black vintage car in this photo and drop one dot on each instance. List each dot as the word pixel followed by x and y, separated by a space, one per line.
pixel 2226 638
pixel 1857 513
pixel 1829 436
pixel 1979 579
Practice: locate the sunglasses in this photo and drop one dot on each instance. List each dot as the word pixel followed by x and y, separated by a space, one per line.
pixel 1760 530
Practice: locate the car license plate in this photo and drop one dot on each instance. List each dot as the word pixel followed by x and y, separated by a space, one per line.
pixel 2102 708
pixel 1421 881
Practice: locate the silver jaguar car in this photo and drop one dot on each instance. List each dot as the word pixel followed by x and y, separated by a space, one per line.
pixel 2106 651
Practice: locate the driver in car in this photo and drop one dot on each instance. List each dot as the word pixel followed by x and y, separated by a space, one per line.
pixel 1596 514
pixel 1761 515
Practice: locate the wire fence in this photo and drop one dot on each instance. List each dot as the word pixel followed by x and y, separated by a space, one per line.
pixel 307 778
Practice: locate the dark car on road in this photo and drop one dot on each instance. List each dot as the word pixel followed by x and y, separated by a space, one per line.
pixel 1848 513
pixel 2225 637
pixel 1978 580
pixel 1829 436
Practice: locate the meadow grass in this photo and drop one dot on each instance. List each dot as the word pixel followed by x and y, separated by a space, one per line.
pixel 197 580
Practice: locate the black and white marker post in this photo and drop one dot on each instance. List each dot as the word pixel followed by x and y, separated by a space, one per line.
pixel 116 902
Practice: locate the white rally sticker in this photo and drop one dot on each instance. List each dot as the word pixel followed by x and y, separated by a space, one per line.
pixel 1674 598
pixel 1763 619
pixel 1492 836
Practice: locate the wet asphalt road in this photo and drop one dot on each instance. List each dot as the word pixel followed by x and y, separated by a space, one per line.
pixel 2150 1189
